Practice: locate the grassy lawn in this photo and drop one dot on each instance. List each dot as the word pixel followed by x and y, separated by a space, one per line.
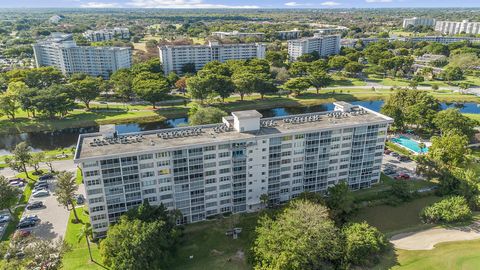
pixel 78 257
pixel 395 148
pixel 78 177
pixel 211 248
pixel 391 219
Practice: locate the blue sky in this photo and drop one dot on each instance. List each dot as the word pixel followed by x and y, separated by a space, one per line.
pixel 238 3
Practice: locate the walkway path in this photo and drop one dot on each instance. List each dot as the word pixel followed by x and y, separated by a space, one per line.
pixel 427 239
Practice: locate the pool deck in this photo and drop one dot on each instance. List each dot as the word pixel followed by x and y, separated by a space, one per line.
pixel 397 136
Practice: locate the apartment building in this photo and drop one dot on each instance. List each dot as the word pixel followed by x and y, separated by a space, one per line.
pixel 208 170
pixel 443 39
pixel 289 34
pixel 418 21
pixel 325 45
pixel 175 57
pixel 331 30
pixel 454 28
pixel 61 51
pixel 241 35
pixel 107 34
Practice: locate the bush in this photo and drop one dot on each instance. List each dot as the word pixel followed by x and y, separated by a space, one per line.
pixel 452 209
pixel 363 243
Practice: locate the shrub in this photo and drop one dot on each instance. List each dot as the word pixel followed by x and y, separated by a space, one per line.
pixel 363 243
pixel 452 209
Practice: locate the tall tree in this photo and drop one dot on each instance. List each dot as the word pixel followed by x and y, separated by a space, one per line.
pixel 86 232
pixel 301 237
pixel 122 83
pixel 297 85
pixel 205 115
pixel 65 191
pixel 20 159
pixel 55 100
pixel 319 79
pixel 452 120
pixel 87 89
pixel 450 149
pixel 198 88
pixel 363 244
pixel 340 202
pixel 8 195
pixel 152 89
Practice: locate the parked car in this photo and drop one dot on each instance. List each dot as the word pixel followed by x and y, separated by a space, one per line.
pixel 39 189
pixel 47 176
pixel 40 193
pixel 389 171
pixel 35 205
pixel 40 185
pixel 5 218
pixel 34 218
pixel 16 179
pixel 387 152
pixel 80 199
pixel 402 176
pixel 403 158
pixel 26 224
pixel 394 154
pixel 17 183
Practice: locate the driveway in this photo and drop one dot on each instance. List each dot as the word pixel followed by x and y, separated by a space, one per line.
pixel 427 239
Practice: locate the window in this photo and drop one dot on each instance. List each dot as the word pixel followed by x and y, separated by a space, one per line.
pixel 95 200
pixel 147 174
pixel 210 156
pixel 145 156
pixel 97 208
pixel 91 173
pixel 225 170
pixel 209 148
pixel 146 165
pixel 224 154
pixel 209 173
pixel 164 171
pixel 163 163
pixel 223 146
pixel 93 182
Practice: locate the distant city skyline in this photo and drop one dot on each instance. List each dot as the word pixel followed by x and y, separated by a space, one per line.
pixel 235 3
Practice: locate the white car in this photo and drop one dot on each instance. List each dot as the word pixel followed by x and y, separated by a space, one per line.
pixel 40 193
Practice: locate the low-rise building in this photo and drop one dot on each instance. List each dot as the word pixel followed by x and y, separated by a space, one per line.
pixel 175 57
pixel 208 170
pixel 325 45
pixel 61 51
pixel 241 35
pixel 107 34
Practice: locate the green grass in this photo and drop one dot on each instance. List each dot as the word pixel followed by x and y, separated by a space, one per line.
pixel 78 258
pixel 78 177
pixel 211 248
pixel 391 219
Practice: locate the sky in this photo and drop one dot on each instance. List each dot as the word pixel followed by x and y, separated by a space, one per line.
pixel 236 3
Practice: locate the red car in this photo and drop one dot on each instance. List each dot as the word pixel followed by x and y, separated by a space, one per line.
pixel 402 176
pixel 22 234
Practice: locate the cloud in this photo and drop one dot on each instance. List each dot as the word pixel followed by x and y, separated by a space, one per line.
pixel 180 4
pixel 99 5
pixel 330 3
pixel 378 1
pixel 293 4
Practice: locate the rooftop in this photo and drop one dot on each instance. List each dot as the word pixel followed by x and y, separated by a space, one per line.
pixel 247 114
pixel 96 145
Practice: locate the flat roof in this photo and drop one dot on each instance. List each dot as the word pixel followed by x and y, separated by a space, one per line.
pixel 247 114
pixel 95 145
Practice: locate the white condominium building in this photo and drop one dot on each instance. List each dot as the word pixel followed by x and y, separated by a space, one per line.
pixel 208 170
pixel 236 34
pixel 453 28
pixel 60 51
pixel 418 21
pixel 175 57
pixel 289 34
pixel 325 45
pixel 107 34
pixel 443 39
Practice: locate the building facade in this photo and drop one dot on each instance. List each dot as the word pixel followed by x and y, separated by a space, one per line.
pixel 289 34
pixel 208 170
pixel 61 51
pixel 325 45
pixel 236 34
pixel 418 21
pixel 107 34
pixel 175 57
pixel 454 28
pixel 443 39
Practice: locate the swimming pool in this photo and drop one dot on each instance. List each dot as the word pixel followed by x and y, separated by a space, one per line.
pixel 409 144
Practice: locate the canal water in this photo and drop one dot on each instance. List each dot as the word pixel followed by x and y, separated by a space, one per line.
pixel 68 137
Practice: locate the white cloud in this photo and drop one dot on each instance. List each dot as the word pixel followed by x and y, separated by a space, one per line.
pixel 180 4
pixel 99 5
pixel 292 4
pixel 330 3
pixel 378 1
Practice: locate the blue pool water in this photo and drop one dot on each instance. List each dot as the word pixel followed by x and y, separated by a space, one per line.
pixel 410 144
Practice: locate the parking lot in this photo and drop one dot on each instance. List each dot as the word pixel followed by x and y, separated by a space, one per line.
pixel 53 216
pixel 399 167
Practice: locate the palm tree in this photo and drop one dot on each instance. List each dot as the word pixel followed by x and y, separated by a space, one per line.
pixel 264 199
pixel 65 191
pixel 86 232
